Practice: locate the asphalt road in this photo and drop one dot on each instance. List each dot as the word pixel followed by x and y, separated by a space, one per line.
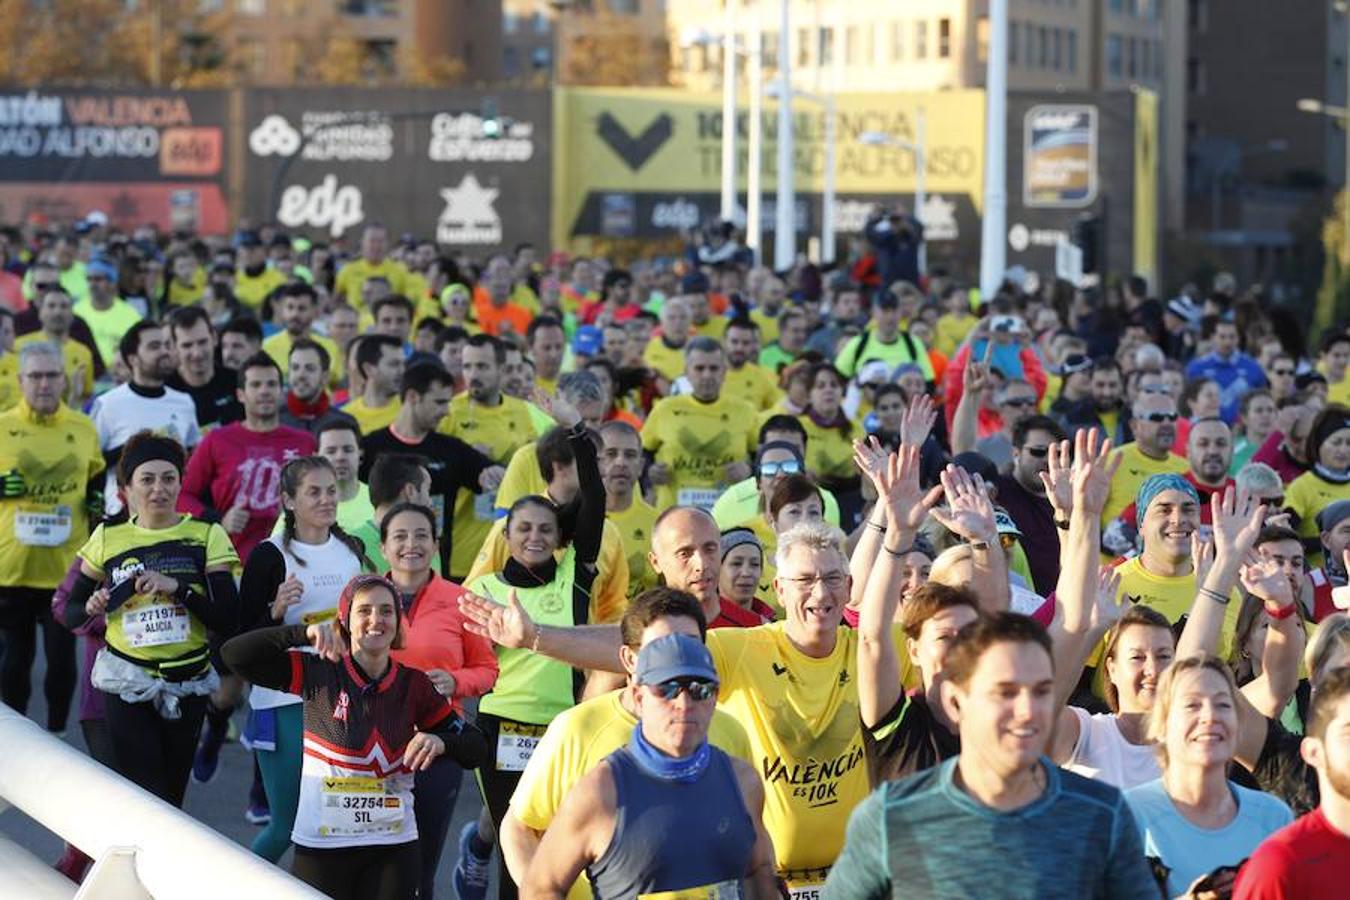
pixel 218 803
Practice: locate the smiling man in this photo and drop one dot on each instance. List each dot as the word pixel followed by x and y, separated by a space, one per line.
pixel 951 831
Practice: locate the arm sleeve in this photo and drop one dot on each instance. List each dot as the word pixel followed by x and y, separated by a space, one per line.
pixel 1127 875
pixel 74 616
pixel 219 609
pixel 861 871
pixel 263 656
pixel 263 574
pixel 591 519
pixel 91 626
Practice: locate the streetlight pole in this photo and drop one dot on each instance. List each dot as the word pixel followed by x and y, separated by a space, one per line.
pixel 785 235
pixel 728 208
pixel 993 250
pixel 753 228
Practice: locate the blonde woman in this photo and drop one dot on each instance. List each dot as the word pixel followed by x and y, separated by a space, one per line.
pixel 1197 826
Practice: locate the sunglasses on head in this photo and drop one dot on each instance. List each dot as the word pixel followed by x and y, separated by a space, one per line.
pixel 786 467
pixel 698 688
pixel 1160 417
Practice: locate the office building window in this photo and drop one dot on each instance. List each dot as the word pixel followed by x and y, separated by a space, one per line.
pixel 944 48
pixel 852 47
pixel 1115 56
pixel 1014 35
pixel 252 7
pixel 921 39
pixel 510 62
pixel 541 23
pixel 1145 58
pixel 897 41
pixel 1073 51
pixel 541 57
pixel 1057 49
pixel 768 49
pixel 1044 57
pixel 871 51
pixel 1131 58
pixel 625 7
pixel 1195 76
pixel 803 46
pixel 825 44
pixel 1197 16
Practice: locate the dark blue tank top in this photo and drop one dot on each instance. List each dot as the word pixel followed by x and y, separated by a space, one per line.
pixel 670 836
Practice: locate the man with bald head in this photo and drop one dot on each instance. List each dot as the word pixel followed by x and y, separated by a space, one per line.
pixel 1154 425
pixel 687 554
pixel 1209 451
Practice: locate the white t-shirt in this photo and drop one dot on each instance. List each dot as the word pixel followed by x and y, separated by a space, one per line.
pixel 327 569
pixel 1103 754
pixel 122 412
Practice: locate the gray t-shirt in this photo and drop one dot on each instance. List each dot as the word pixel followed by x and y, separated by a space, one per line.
pixel 924 837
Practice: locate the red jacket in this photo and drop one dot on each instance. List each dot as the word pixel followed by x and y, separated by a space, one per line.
pixel 434 637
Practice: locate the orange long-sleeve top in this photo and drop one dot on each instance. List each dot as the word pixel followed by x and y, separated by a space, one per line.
pixel 434 637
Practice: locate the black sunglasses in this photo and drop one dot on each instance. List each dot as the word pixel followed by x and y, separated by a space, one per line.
pixel 1160 417
pixel 47 285
pixel 1038 452
pixel 698 688
pixel 1283 373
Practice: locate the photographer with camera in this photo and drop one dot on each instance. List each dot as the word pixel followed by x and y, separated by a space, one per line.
pixel 895 238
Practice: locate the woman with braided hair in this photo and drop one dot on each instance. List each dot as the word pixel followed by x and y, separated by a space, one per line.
pixel 293 578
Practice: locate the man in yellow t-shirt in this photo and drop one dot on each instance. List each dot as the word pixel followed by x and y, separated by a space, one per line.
pixel 665 352
pixel 9 362
pixel 746 378
pixel 700 442
pixel 620 465
pixel 297 309
pixel 579 738
pixel 379 358
pixel 254 279
pixel 372 264
pixel 56 313
pixel 493 423
pixel 1154 424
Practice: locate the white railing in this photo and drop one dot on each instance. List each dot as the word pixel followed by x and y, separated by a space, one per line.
pixel 144 849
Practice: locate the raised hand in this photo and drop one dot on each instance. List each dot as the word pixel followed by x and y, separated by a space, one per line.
pixel 898 488
pixel 870 458
pixel 1058 478
pixel 1237 519
pixel 557 406
pixel 1108 608
pixel 1264 578
pixel 1093 468
pixel 968 513
pixel 917 421
pixel 509 626
pixel 1202 557
pixel 326 641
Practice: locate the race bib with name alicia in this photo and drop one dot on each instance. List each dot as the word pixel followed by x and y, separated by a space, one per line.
pixel 156 624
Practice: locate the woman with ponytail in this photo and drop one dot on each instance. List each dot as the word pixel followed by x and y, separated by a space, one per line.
pixel 294 578
pixel 1326 481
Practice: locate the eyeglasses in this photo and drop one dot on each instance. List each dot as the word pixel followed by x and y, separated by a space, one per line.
pixel 1284 373
pixel 1038 452
pixel 831 580
pixel 46 285
pixel 699 689
pixel 1160 417
pixel 1020 401
pixel 786 467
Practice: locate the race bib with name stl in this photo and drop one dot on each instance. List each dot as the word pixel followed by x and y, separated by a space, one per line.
pixel 359 806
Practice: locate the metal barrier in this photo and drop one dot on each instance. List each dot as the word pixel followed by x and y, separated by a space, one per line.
pixel 144 849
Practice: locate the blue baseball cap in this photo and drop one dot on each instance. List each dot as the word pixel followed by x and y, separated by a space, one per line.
pixel 588 341
pixel 674 656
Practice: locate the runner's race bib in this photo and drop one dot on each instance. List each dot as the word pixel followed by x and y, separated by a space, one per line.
pixel 43 529
pixel 515 745
pixel 703 498
pixel 806 891
pixel 359 806
pixel 156 624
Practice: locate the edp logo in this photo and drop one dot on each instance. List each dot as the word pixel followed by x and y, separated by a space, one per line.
pixel 325 206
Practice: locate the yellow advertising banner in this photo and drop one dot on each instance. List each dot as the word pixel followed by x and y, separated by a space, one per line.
pixel 1146 185
pixel 645 162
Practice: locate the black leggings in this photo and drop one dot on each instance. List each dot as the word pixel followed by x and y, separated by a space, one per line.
pixel 22 611
pixel 497 787
pixel 152 751
pixel 373 872
pixel 434 795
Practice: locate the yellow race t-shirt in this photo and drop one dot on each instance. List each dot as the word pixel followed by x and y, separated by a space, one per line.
pixel 9 381
pixel 577 740
pixel 278 346
pixel 522 478
pixel 829 454
pixel 187 294
pixel 58 456
pixel 696 441
pixel 253 290
pixel 76 357
pixel 353 275
pixel 153 627
pixel 668 361
pixel 1307 495
pixel 1135 469
pixel 768 325
pixel 753 384
pixel 949 332
pixel 496 432
pixel 372 418
pixel 802 717
pixel 635 526
pixel 609 594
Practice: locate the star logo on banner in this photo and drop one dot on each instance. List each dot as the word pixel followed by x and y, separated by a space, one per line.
pixel 469 216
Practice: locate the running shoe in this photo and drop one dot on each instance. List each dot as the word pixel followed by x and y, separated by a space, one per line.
pixel 257 813
pixel 470 877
